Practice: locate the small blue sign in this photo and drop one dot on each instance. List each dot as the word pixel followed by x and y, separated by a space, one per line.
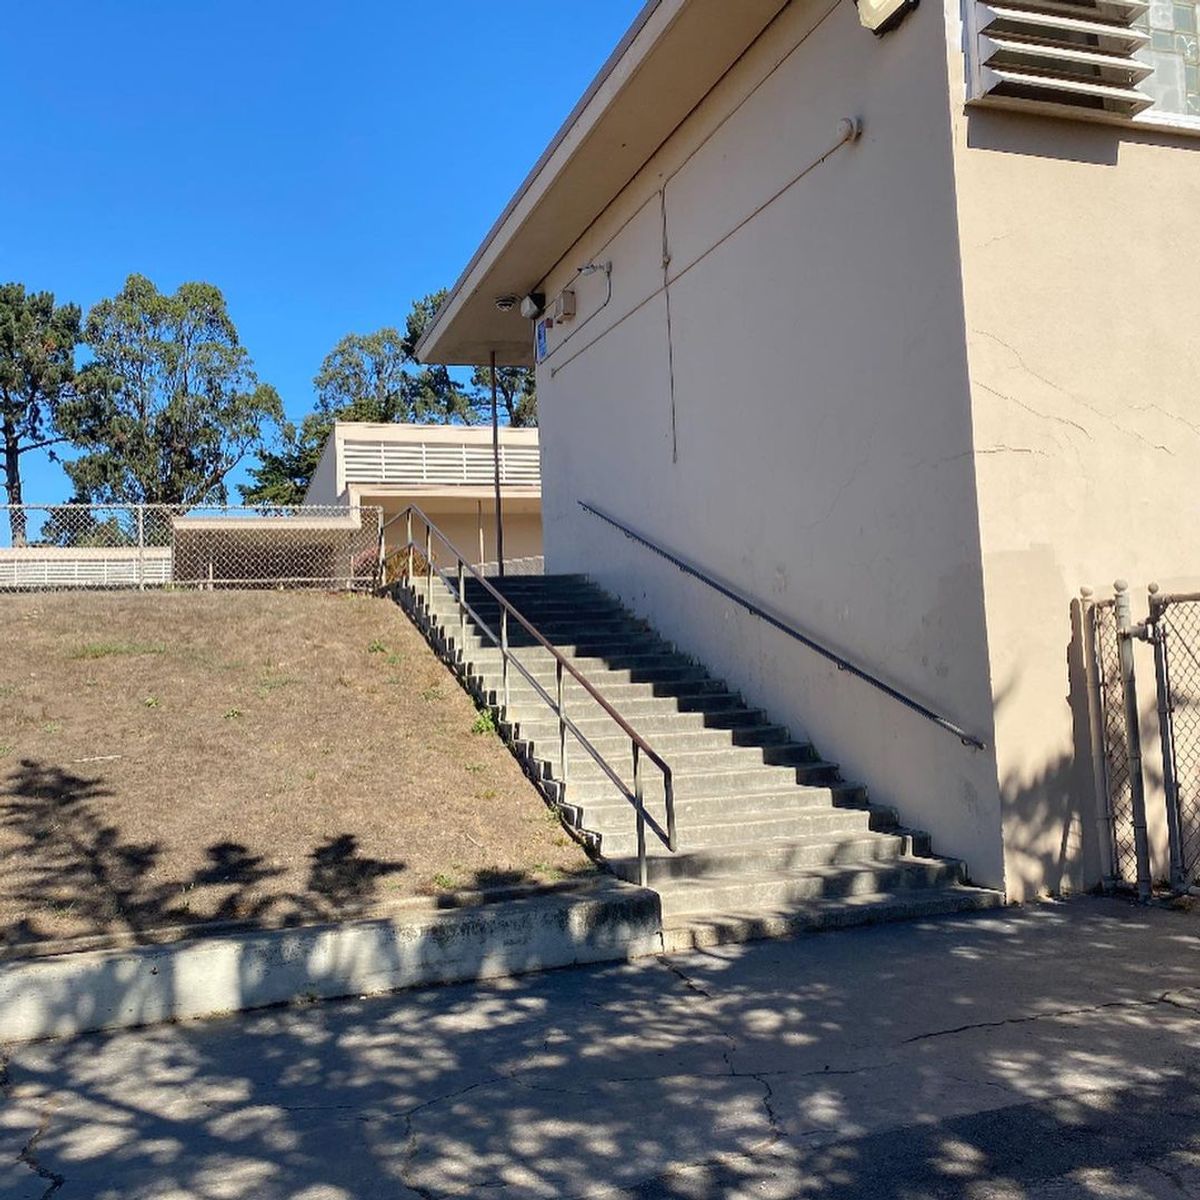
pixel 539 340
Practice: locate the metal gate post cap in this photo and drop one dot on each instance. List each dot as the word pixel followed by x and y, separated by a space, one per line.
pixel 1086 592
pixel 1121 585
pixel 1152 588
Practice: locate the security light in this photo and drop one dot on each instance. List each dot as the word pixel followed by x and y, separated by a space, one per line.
pixel 532 305
pixel 506 303
pixel 882 16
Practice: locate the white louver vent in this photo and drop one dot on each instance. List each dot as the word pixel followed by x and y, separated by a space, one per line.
pixel 1055 55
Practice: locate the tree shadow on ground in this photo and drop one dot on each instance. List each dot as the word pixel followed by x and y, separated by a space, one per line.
pixel 1047 1052
pixel 65 867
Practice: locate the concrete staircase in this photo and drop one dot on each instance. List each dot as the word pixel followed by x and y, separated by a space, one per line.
pixel 771 840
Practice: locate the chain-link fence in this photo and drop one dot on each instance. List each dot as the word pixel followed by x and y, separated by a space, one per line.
pixel 72 546
pixel 1175 628
pixel 1117 782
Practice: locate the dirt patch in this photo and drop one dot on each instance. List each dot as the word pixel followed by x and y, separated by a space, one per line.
pixel 267 757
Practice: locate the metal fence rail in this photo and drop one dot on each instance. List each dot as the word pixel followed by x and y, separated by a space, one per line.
pixel 88 546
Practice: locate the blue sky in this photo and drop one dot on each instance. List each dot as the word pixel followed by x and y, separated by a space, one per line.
pixel 321 163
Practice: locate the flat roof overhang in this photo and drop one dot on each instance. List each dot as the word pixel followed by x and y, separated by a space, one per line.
pixel 675 52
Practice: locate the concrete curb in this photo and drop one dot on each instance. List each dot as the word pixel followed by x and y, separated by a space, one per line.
pixel 205 976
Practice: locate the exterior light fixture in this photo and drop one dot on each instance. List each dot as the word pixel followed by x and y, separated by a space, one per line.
pixel 506 303
pixel 882 16
pixel 532 305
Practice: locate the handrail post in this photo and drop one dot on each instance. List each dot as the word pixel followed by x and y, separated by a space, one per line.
pixel 1133 739
pixel 428 571
pixel 669 791
pixel 408 551
pixel 504 653
pixel 640 809
pixel 562 727
pixel 462 615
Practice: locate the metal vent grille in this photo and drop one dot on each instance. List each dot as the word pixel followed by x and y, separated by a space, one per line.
pixel 1074 59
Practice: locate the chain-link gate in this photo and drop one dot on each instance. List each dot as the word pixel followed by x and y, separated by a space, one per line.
pixel 1115 748
pixel 1174 628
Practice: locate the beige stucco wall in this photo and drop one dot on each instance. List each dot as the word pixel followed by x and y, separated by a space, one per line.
pixel 1080 269
pixel 818 453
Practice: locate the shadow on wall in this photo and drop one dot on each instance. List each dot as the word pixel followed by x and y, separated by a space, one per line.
pixel 758 1070
pixel 1040 136
pixel 1055 837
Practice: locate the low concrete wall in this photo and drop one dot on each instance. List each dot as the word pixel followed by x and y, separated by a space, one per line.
pixel 110 989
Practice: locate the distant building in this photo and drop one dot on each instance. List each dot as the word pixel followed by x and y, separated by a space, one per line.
pixel 446 470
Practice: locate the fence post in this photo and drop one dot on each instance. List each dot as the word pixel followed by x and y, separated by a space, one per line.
pixel 141 528
pixel 1133 737
pixel 1095 709
pixel 1166 734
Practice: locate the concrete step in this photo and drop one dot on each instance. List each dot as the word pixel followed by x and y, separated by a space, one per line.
pixel 581 765
pixel 760 740
pixel 659 668
pixel 580 702
pixel 544 724
pixel 445 608
pixel 737 782
pixel 700 930
pixel 615 813
pixel 745 827
pixel 584 644
pixel 755 858
pixel 728 893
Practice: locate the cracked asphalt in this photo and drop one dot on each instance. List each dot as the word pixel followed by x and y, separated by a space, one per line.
pixel 1046 1053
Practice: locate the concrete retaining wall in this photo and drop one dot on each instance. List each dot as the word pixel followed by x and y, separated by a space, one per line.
pixel 109 989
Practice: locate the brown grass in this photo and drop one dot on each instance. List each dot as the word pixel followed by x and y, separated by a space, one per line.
pixel 271 757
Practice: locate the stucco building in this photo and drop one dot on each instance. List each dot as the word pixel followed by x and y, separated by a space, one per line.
pixel 448 471
pixel 897 334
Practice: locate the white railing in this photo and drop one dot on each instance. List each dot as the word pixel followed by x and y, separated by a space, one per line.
pixel 447 463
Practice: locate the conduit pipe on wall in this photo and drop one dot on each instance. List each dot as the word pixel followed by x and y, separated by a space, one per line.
pixel 849 129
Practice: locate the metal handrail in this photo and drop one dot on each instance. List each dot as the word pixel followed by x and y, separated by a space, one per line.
pixel 842 664
pixel 562 667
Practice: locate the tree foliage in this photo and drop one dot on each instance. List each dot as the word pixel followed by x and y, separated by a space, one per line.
pixel 170 402
pixel 37 369
pixel 516 393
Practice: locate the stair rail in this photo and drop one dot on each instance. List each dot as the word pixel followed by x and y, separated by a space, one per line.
pixel 562 668
pixel 842 664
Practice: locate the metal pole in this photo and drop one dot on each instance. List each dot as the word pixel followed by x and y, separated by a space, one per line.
pixel 640 806
pixel 141 528
pixel 462 615
pixel 1166 736
pixel 408 553
pixel 428 571
pixel 504 653
pixel 1133 738
pixel 562 728
pixel 496 471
